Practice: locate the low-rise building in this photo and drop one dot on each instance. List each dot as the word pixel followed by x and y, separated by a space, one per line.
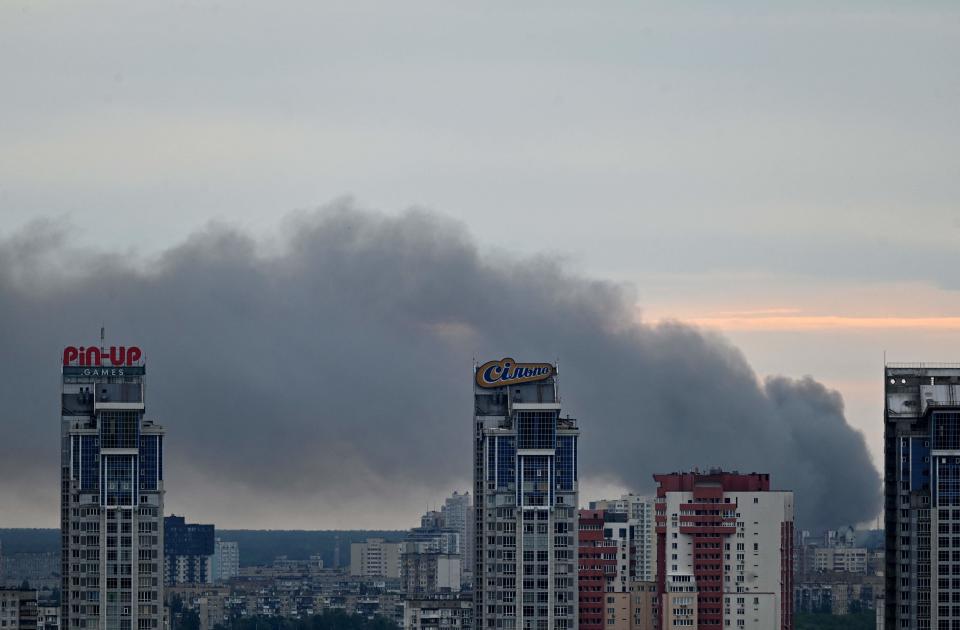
pixel 437 614
pixel 48 616
pixel 845 559
pixel 18 609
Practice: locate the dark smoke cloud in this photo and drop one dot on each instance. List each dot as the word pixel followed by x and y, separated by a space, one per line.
pixel 327 382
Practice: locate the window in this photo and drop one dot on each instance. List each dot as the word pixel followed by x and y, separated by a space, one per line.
pixel 119 429
pixel 566 462
pixel 536 429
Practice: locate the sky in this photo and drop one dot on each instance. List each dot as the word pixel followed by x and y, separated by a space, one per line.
pixel 785 179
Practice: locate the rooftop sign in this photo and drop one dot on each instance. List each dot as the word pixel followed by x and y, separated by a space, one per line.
pixel 508 372
pixel 93 356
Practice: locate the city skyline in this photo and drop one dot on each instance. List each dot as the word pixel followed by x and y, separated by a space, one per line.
pixel 777 173
pixel 479 316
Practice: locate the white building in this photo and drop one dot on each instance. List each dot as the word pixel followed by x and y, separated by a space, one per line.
pixel 457 514
pixel 375 558
pixel 846 559
pixel 640 510
pixel 226 560
pixel 727 542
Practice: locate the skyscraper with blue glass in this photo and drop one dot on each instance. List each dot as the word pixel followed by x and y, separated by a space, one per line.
pixel 922 496
pixel 525 492
pixel 111 494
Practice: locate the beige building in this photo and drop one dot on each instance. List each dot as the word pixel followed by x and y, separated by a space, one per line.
pixel 644 605
pixel 616 612
pixel 680 601
pixel 375 558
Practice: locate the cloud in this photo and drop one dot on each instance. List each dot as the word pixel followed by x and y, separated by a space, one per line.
pixel 332 372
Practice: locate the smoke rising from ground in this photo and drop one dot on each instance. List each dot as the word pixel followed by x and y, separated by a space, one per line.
pixel 327 382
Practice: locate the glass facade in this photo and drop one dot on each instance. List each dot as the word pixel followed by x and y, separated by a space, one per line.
pixel 506 461
pixel 112 563
pixel 536 429
pixel 150 460
pixel 119 429
pixel 537 487
pixel 525 480
pixel 89 459
pixel 566 462
pixel 948 481
pixel 119 472
pixel 946 430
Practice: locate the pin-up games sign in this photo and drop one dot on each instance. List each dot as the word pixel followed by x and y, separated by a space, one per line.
pixel 508 372
pixel 93 356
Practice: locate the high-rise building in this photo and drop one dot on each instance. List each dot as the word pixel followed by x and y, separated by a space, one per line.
pixel 606 548
pixel 226 560
pixel 458 514
pixel 725 548
pixel 188 552
pixel 643 532
pixel 921 488
pixel 434 536
pixel 525 500
pixel 597 565
pixel 111 493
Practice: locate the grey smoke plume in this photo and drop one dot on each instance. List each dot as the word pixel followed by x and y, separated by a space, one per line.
pixel 327 382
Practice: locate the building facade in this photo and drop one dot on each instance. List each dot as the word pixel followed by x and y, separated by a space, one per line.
pixel 525 500
pixel 725 544
pixel 438 614
pixel 640 510
pixel 226 560
pixel 434 535
pixel 18 609
pixel 457 514
pixel 375 558
pixel 845 559
pixel 188 552
pixel 644 606
pixel 609 596
pixel 111 493
pixel 424 574
pixel 921 486
pixel 597 562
